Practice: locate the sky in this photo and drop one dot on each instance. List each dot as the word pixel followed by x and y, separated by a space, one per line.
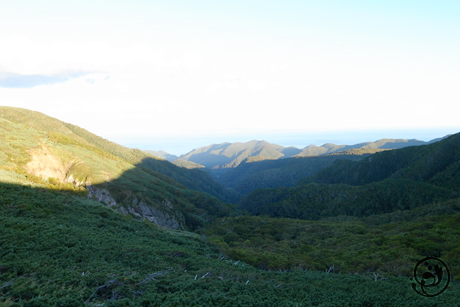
pixel 177 75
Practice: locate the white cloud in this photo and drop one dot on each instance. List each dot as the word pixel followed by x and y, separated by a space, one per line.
pixel 21 55
pixel 192 60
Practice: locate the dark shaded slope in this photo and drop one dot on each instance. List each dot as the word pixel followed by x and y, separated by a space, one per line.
pixel 435 163
pixel 388 181
pixel 250 176
pixel 145 193
pixel 316 201
pixel 193 179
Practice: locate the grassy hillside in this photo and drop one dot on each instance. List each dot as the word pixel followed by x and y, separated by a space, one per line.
pixel 123 178
pixel 69 134
pixel 64 250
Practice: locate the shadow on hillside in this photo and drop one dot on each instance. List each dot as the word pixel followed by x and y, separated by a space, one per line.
pixel 181 201
pixel 146 193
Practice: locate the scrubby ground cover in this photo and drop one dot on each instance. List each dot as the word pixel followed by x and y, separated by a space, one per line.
pixel 63 250
pixel 388 244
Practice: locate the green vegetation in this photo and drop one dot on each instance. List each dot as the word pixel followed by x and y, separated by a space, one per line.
pixel 315 201
pixel 70 158
pixel 437 163
pixel 362 148
pixel 68 134
pixel 187 164
pixel 229 155
pixel 250 175
pixel 348 235
pixel 387 244
pixel 62 250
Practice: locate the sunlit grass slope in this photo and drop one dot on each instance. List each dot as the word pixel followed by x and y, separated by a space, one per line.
pixel 58 158
pixel 73 135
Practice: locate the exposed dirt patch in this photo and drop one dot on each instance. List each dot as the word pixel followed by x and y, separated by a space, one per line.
pixel 44 164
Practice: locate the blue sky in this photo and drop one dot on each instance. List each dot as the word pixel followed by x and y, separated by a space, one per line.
pixel 177 75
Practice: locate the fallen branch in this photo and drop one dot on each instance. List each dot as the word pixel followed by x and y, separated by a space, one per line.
pixel 152 276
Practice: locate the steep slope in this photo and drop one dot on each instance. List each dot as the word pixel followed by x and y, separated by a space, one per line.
pixel 221 160
pixel 384 182
pixel 193 179
pixel 437 163
pixel 54 160
pixel 252 175
pixel 230 155
pixel 316 201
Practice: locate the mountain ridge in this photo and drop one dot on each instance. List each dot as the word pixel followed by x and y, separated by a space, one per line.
pixel 229 155
pixel 398 179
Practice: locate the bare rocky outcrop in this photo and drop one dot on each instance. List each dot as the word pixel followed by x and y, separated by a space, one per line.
pixel 101 195
pixel 159 217
pixel 140 209
pixel 74 181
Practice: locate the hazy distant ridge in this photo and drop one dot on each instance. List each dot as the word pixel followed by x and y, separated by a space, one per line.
pixel 230 155
pixel 162 155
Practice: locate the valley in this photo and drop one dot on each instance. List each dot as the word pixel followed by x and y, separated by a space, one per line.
pixel 87 222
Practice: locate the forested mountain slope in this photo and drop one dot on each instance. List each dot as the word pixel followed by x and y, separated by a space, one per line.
pixel 352 221
pixel 249 176
pixel 315 201
pixel 228 155
pixel 328 148
pixel 244 167
pixel 381 183
pixel 437 163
